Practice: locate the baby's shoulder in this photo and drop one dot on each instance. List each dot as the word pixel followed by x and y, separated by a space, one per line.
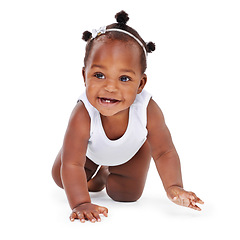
pixel 153 109
pixel 154 115
pixel 79 119
pixel 80 112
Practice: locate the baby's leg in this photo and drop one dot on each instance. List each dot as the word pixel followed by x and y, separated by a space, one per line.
pixel 90 169
pixel 125 183
pixel 98 182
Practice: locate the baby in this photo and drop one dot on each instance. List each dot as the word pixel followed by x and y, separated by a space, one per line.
pixel 116 128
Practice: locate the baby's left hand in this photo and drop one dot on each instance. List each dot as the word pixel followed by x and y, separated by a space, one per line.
pixel 184 198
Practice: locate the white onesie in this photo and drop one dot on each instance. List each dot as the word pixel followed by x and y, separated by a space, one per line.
pixel 103 151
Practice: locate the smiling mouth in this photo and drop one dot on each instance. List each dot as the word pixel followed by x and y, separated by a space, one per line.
pixel 108 101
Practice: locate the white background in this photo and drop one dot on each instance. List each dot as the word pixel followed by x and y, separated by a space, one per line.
pixel 193 75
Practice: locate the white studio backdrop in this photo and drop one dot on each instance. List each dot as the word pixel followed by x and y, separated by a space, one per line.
pixel 193 75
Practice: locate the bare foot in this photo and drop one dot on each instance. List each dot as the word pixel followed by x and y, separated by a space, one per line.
pixel 98 183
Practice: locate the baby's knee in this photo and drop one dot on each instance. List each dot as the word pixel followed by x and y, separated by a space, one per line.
pixel 122 196
pixel 120 193
pixel 118 197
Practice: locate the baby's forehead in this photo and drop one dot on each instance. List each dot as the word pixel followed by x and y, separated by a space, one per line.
pixel 108 40
pixel 105 44
pixel 119 53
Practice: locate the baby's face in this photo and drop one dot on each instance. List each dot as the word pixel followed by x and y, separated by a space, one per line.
pixel 113 75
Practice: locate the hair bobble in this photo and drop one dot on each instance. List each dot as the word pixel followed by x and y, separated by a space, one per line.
pixel 86 36
pixel 150 47
pixel 122 17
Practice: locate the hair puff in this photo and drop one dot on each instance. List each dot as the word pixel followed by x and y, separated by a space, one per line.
pixel 122 17
pixel 150 47
pixel 86 36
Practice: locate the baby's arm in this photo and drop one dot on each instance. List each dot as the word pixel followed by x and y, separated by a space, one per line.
pixel 166 159
pixel 72 169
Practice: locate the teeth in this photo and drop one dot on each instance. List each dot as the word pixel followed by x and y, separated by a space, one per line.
pixel 107 100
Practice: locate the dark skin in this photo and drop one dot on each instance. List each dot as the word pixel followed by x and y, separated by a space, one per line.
pixel 113 71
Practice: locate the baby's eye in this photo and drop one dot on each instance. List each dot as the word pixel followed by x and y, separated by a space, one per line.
pixel 99 75
pixel 125 78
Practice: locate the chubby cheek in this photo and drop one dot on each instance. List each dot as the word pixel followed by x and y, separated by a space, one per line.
pixel 91 87
pixel 131 95
pixel 89 83
pixel 91 96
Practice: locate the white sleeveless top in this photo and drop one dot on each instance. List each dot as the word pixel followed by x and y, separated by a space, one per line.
pixel 103 151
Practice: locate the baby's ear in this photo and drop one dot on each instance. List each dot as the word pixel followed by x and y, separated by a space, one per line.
pixel 83 74
pixel 142 84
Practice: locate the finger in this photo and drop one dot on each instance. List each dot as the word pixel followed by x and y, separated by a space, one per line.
pixel 196 198
pixel 90 217
pixel 103 211
pixel 96 215
pixel 195 207
pixel 81 217
pixel 73 216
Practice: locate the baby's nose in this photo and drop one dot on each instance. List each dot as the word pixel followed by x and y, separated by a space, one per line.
pixel 111 85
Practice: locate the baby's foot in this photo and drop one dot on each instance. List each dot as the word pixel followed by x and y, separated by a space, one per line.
pixel 98 182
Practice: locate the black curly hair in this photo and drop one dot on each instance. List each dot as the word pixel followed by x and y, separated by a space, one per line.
pixel 122 18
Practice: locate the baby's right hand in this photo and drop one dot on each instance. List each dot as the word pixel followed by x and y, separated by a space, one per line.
pixel 88 211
